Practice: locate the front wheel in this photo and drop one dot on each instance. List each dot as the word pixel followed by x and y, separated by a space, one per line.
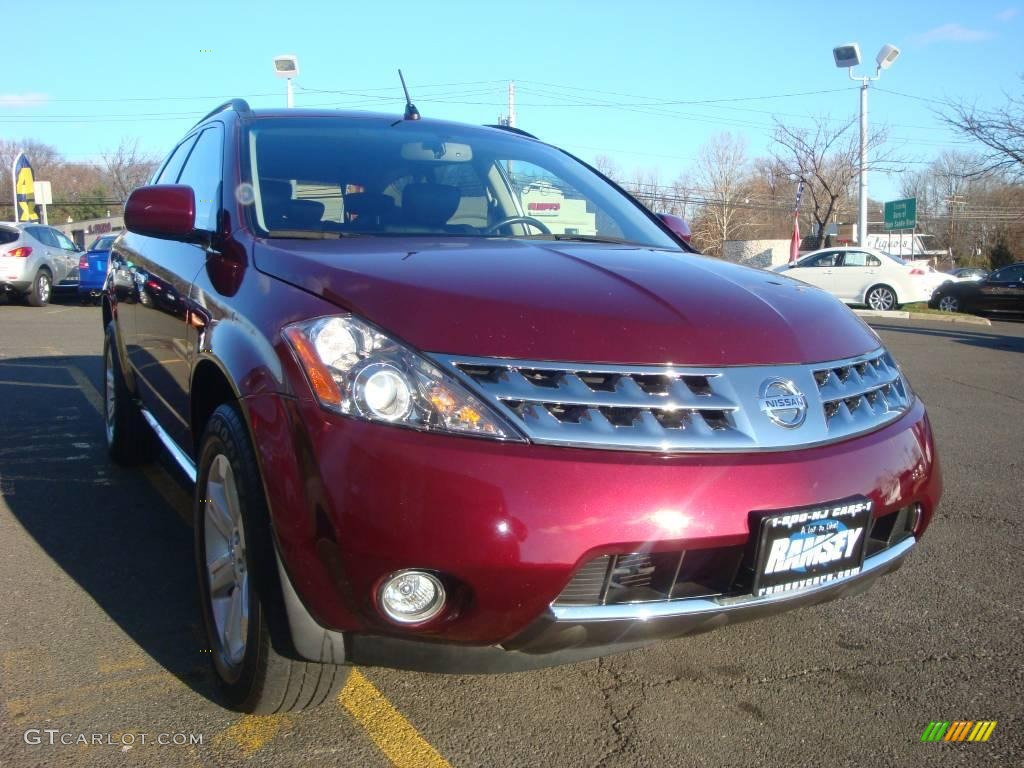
pixel 882 298
pixel 238 587
pixel 949 304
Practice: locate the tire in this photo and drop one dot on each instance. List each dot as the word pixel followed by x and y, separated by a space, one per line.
pixel 950 303
pixel 881 298
pixel 130 441
pixel 42 289
pixel 234 547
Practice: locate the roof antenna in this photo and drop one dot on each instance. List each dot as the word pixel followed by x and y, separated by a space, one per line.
pixel 411 113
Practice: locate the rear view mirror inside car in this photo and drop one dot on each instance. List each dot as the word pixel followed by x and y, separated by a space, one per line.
pixel 441 152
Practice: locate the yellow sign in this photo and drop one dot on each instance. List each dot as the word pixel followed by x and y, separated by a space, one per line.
pixel 24 190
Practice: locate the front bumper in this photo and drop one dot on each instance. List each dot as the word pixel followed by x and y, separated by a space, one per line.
pixel 511 523
pixel 575 633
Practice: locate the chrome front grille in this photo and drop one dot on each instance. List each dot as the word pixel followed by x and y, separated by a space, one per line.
pixel 862 392
pixel 684 409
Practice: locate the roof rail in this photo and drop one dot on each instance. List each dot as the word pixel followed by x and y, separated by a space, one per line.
pixel 509 128
pixel 238 105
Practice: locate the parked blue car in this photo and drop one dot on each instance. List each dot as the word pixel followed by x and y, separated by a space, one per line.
pixel 92 268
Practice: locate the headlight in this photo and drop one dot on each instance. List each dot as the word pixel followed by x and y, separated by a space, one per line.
pixel 356 370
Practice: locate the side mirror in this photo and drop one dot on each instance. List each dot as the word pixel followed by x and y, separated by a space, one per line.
pixel 678 226
pixel 167 211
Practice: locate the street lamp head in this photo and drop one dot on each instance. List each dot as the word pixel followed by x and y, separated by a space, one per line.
pixel 846 55
pixel 887 56
pixel 286 66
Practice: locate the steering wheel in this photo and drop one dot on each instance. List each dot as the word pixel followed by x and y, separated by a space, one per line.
pixel 518 220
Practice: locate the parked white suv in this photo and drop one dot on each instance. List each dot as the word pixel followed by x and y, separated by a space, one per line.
pixel 33 259
pixel 866 276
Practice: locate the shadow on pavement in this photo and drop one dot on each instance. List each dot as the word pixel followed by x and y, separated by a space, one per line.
pixel 105 526
pixel 985 340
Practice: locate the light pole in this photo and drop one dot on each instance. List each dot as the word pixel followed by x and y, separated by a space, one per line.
pixel 848 56
pixel 287 66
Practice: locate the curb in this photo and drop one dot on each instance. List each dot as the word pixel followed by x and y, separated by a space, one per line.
pixel 902 315
pixel 968 319
pixel 892 314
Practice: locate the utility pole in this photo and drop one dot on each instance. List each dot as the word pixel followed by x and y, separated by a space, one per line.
pixel 953 204
pixel 862 212
pixel 511 103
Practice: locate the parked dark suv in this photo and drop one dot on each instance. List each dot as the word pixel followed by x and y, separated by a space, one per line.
pixel 454 401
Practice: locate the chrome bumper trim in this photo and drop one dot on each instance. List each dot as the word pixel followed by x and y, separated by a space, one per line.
pixel 610 628
pixel 697 606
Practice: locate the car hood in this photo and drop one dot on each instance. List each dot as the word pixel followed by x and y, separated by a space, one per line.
pixel 572 302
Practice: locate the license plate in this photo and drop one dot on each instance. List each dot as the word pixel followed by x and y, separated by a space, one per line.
pixel 810 546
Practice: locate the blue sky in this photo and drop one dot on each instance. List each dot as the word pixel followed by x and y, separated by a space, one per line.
pixel 95 72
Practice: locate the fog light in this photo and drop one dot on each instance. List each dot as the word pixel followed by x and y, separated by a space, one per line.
pixel 411 597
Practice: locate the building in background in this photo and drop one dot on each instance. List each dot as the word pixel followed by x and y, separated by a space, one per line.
pixel 562 215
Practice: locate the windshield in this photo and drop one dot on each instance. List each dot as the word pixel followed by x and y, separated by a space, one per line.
pixel 334 177
pixel 102 243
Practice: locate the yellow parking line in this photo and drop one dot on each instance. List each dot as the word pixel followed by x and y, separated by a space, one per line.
pixel 84 698
pixel 170 491
pixel 391 732
pixel 252 732
pixel 83 383
pixel 395 736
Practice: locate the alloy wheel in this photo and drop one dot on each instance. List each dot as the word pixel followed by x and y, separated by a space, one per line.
pixel 109 395
pixel 44 288
pixel 881 299
pixel 226 571
pixel 949 304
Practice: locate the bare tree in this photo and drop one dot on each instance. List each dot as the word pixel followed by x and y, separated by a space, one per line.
pixel 1001 130
pixel 966 210
pixel 127 168
pixel 826 157
pixel 646 186
pixel 44 158
pixel 607 166
pixel 722 171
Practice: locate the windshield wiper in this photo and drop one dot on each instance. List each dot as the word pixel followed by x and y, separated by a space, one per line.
pixel 307 234
pixel 585 239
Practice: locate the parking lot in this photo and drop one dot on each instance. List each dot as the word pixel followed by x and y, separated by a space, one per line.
pixel 99 629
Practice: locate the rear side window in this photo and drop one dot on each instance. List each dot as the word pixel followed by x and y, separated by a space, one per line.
pixel 202 173
pixel 44 236
pixel 171 169
pixel 8 235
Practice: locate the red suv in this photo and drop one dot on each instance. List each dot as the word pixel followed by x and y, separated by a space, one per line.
pixel 452 400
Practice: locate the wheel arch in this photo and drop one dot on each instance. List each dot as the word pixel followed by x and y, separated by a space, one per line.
pixel 882 284
pixel 209 388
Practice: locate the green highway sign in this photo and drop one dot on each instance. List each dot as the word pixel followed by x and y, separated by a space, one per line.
pixel 901 214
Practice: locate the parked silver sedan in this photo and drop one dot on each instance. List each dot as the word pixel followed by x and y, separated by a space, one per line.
pixel 33 259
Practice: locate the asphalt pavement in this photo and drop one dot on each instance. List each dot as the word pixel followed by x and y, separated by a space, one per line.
pixel 99 632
